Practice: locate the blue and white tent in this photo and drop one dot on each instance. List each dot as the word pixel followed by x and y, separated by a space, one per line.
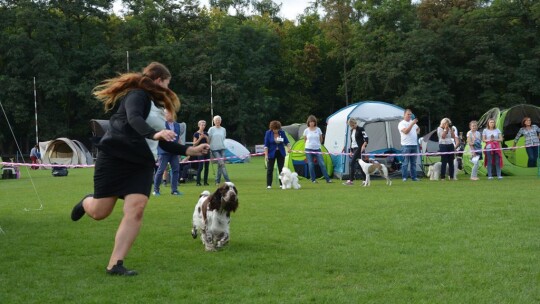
pixel 379 119
pixel 236 152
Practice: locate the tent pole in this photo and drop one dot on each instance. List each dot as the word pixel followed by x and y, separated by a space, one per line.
pixel 211 102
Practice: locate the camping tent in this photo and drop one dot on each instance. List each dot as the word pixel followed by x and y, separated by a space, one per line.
pixel 296 131
pixel 65 151
pixel 509 122
pixel 296 161
pixel 236 152
pixel 379 119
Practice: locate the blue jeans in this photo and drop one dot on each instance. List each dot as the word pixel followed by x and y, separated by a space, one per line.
pixel 165 159
pixel 200 168
pixel 409 160
pixel 221 165
pixel 492 157
pixel 532 153
pixel 311 165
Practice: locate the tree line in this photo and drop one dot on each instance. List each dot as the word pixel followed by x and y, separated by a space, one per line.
pixel 441 58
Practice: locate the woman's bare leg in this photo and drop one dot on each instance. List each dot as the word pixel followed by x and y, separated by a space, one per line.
pixel 130 225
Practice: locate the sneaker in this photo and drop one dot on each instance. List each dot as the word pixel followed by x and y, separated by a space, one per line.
pixel 348 183
pixel 199 184
pixel 268 187
pixel 499 177
pixel 176 193
pixel 120 270
pixel 474 178
pixel 490 177
pixel 404 179
pixel 156 193
pixel 78 210
pixel 329 181
pixel 314 181
pixel 415 180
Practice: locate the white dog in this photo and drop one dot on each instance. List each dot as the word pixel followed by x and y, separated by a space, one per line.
pixel 372 168
pixel 289 179
pixel 212 216
pixel 434 171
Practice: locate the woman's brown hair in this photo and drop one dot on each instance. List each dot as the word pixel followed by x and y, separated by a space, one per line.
pixel 112 90
pixel 274 125
pixel 310 119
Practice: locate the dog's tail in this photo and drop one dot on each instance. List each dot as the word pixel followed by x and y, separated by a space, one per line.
pixel 204 193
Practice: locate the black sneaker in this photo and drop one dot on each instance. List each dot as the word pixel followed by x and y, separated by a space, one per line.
pixel 78 210
pixel 120 270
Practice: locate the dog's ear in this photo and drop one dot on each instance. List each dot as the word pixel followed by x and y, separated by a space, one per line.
pixel 231 206
pixel 215 199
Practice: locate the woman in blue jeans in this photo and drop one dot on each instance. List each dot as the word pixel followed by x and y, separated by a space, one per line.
pixel 313 137
pixel 216 139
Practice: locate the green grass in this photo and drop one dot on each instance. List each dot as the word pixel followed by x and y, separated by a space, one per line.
pixel 426 242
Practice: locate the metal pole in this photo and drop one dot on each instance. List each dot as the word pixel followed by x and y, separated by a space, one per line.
pixel 35 111
pixel 211 102
pixel 127 60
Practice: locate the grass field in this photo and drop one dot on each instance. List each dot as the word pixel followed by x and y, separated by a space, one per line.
pixel 425 242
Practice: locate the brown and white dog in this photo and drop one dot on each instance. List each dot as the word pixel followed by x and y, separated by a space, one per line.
pixel 372 168
pixel 212 216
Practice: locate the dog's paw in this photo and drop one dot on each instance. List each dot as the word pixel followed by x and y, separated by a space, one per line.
pixel 194 233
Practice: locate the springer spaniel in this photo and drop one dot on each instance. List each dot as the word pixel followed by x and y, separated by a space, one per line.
pixel 212 216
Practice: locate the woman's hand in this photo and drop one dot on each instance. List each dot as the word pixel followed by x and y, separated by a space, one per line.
pixel 167 135
pixel 201 149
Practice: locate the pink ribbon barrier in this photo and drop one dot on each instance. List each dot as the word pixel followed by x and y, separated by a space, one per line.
pixel 12 164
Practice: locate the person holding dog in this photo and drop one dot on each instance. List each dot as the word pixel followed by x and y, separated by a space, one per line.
pixel 409 130
pixel 359 141
pixel 530 132
pixel 448 141
pixel 314 137
pixel 201 137
pixel 474 140
pixel 128 151
pixel 275 141
pixel 216 138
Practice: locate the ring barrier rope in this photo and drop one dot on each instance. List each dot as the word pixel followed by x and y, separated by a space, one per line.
pixel 12 164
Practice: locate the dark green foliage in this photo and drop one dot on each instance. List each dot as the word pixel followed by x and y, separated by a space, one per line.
pixel 451 59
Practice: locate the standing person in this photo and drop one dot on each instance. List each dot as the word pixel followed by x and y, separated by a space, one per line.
pixel 448 141
pixel 125 165
pixel 493 138
pixel 275 141
pixel 35 157
pixel 532 141
pixel 216 139
pixel 314 137
pixel 201 137
pixel 165 158
pixel 474 140
pixel 409 131
pixel 359 141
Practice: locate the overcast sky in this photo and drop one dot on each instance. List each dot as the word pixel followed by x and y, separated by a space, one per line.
pixel 289 8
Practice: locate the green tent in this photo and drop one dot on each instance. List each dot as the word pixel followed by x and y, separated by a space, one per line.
pixel 297 161
pixel 509 122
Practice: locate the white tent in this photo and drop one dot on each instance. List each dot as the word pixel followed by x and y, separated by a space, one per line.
pixel 236 152
pixel 65 151
pixel 379 119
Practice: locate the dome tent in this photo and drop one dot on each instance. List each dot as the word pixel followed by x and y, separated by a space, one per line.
pixel 296 161
pixel 508 121
pixel 65 151
pixel 379 119
pixel 235 152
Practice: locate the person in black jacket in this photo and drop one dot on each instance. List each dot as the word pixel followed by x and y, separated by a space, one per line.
pixel 128 152
pixel 359 141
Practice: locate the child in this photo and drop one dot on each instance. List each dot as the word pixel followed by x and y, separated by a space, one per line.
pixel 474 140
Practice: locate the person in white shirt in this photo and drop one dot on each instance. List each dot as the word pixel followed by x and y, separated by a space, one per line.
pixel 313 137
pixel 409 131
pixel 216 138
